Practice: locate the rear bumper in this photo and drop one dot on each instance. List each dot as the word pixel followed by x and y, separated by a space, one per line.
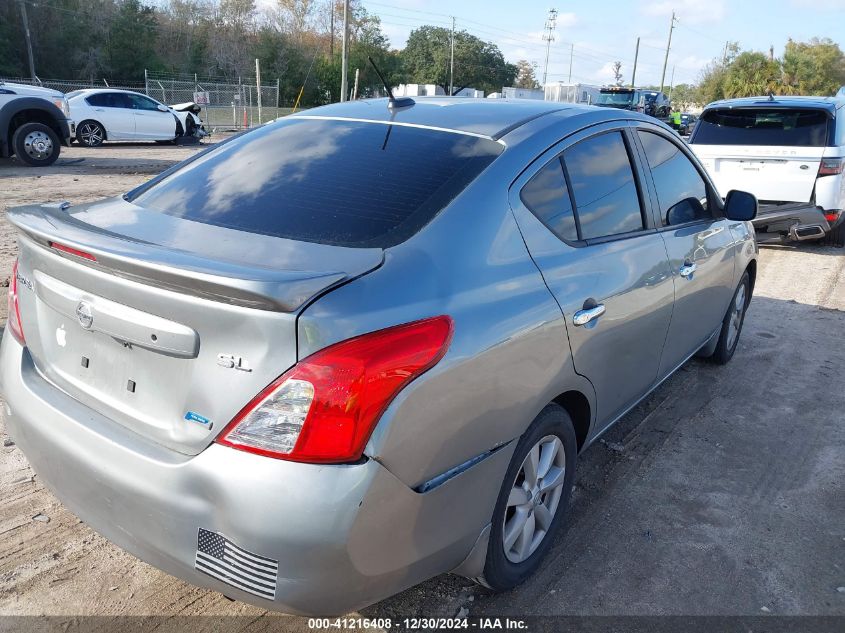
pixel 343 536
pixel 790 222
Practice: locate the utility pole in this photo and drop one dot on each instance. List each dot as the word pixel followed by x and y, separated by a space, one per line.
pixel 28 41
pixel 355 86
pixel 571 55
pixel 549 37
pixel 668 46
pixel 725 55
pixel 344 63
pixel 258 87
pixel 636 57
pixel 452 60
pixel 331 28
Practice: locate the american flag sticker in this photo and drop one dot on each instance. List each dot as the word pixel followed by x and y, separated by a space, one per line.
pixel 218 557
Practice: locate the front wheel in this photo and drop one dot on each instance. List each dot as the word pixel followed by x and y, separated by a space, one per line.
pixel 732 323
pixel 36 144
pixel 533 500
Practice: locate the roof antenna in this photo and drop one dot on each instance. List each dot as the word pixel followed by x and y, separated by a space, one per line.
pixel 771 95
pixel 392 102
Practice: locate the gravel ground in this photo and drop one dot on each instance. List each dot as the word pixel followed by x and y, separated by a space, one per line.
pixel 720 494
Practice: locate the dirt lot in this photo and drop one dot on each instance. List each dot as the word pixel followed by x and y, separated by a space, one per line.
pixel 721 494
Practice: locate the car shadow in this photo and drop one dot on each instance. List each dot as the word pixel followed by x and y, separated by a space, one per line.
pixel 816 247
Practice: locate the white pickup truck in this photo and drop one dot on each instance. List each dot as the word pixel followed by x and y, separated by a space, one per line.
pixel 34 123
pixel 787 151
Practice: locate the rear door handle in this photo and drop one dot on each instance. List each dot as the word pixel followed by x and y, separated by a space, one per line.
pixel 687 270
pixel 587 315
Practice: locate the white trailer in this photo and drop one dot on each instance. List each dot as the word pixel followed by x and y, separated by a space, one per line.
pixel 571 93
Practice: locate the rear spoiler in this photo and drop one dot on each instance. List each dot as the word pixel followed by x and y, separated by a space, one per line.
pixel 52 228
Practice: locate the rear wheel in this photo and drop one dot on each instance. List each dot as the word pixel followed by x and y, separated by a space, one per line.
pixel 532 501
pixel 36 144
pixel 732 323
pixel 90 134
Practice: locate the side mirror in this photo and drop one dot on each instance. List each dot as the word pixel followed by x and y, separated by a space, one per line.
pixel 740 206
pixel 162 108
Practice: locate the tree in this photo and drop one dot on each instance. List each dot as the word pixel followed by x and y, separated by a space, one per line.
pixel 525 77
pixel 132 40
pixel 617 73
pixel 478 64
pixel 751 74
pixel 816 67
pixel 711 84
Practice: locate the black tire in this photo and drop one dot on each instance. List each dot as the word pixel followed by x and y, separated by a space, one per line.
pixel 501 573
pixel 726 346
pixel 90 133
pixel 36 144
pixel 190 127
pixel 836 237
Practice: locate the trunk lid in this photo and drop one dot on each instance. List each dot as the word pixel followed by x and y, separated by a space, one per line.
pixel 778 174
pixel 177 324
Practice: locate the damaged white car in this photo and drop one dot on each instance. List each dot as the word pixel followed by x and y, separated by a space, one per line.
pixel 122 115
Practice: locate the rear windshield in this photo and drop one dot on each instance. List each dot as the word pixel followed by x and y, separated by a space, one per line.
pixel 334 182
pixel 746 126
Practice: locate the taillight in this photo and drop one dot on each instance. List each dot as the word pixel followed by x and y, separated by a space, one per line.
pixel 325 407
pixel 831 166
pixel 14 312
pixel 831 216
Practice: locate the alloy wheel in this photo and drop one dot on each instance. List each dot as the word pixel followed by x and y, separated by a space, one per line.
pixel 91 134
pixel 534 499
pixel 735 321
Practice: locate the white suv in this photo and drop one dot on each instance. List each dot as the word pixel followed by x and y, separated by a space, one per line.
pixel 789 152
pixel 34 123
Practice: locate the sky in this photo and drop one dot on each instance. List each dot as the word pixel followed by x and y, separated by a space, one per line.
pixel 602 31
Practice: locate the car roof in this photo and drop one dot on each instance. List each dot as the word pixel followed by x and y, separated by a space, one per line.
pixel 92 91
pixel 823 103
pixel 491 118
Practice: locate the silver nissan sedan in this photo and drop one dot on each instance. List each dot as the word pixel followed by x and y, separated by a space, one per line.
pixel 364 345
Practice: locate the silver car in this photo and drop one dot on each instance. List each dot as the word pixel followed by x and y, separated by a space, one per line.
pixel 363 345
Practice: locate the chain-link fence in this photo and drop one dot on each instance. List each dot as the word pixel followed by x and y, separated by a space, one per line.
pixel 225 104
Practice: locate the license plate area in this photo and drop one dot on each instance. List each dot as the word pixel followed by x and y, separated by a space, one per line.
pixel 135 386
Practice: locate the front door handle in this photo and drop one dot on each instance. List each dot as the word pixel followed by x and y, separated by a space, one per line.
pixel 588 315
pixel 687 270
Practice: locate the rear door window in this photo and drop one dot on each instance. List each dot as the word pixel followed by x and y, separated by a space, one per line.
pixel 681 190
pixel 763 126
pixel 346 183
pixel 602 181
pixel 547 197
